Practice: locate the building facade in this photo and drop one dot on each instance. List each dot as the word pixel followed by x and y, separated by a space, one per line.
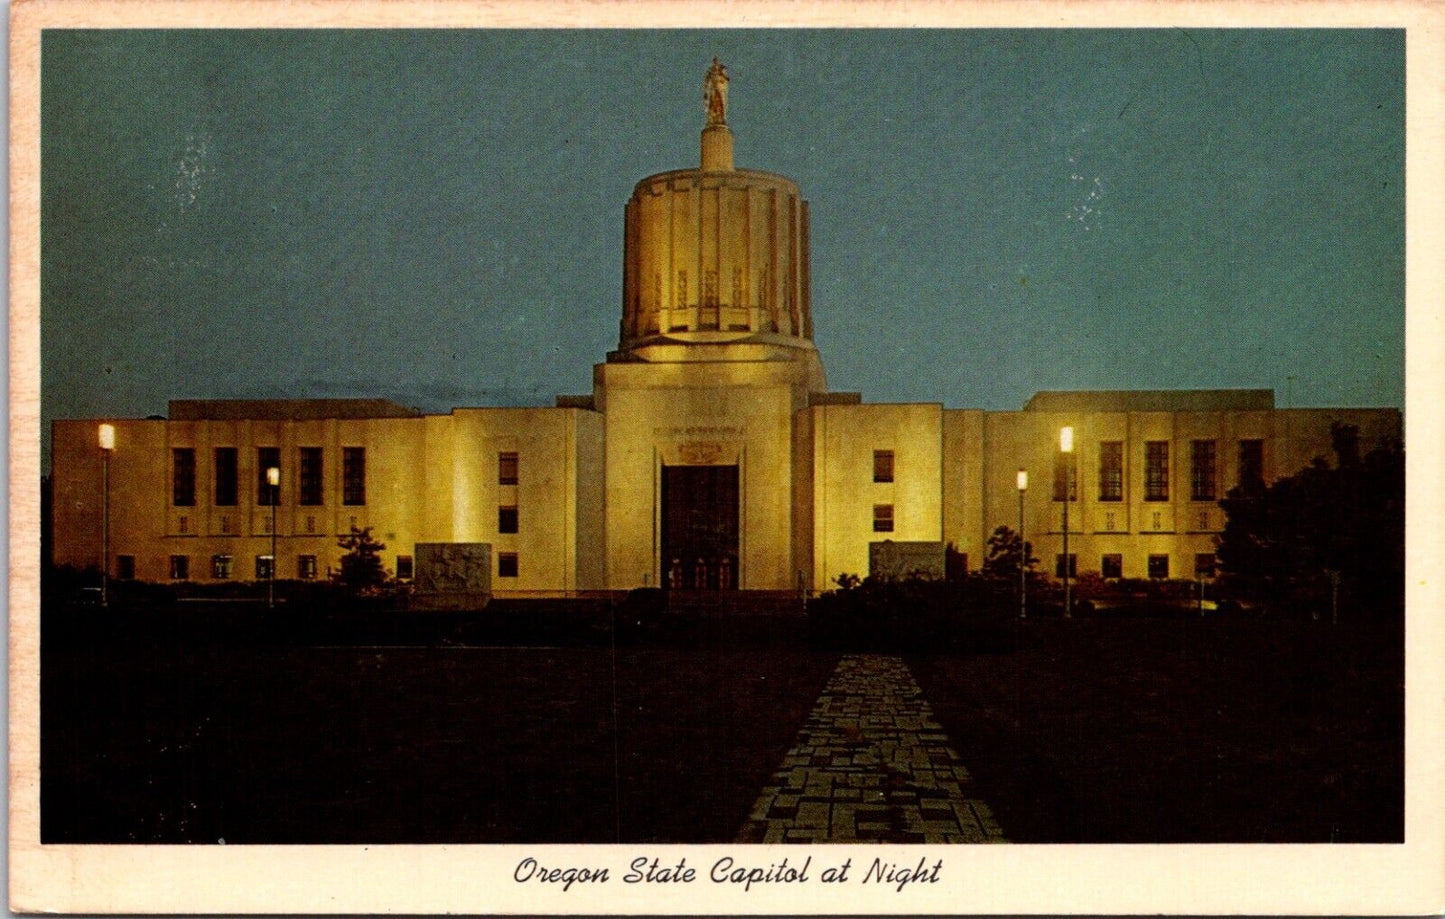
pixel 710 453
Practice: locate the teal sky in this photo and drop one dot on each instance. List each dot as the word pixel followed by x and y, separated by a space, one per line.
pixel 436 217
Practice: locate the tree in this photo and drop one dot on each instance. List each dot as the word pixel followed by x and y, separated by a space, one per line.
pixel 1282 541
pixel 1005 549
pixel 361 565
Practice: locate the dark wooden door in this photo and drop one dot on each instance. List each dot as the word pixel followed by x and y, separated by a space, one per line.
pixel 700 527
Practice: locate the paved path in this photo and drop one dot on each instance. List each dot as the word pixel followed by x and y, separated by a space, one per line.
pixel 871 765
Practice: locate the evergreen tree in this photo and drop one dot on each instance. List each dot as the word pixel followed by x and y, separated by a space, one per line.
pixel 361 565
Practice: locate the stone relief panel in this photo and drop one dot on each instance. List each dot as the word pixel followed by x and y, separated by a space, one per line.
pixel 453 568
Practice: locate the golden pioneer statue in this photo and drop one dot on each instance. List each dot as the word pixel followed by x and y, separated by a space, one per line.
pixel 715 93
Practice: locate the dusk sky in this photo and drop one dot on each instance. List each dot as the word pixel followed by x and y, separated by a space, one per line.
pixel 436 217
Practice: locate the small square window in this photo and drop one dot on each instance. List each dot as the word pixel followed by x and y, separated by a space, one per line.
pixel 180 567
pixel 507 519
pixel 506 468
pixel 882 465
pixel 883 518
pixel 221 567
pixel 1204 565
pixel 125 567
pixel 306 567
pixel 1112 566
pixel 506 564
pixel 1159 567
pixel 1059 565
pixel 403 567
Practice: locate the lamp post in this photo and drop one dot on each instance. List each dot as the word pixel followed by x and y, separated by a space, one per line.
pixel 1023 549
pixel 273 479
pixel 1066 447
pixel 107 444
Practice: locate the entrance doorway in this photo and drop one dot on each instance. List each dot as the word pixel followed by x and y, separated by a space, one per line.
pixel 700 527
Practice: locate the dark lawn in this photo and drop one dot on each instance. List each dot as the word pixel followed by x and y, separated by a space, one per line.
pixel 1182 730
pixel 256 744
pixel 1093 730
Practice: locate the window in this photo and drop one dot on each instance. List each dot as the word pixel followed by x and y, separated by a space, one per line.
pixel 1111 471
pixel 306 567
pixel 125 567
pixel 353 476
pixel 308 478
pixel 221 567
pixel 265 564
pixel 183 524
pixel 1156 470
pixel 403 567
pixel 225 477
pixel 883 518
pixel 1201 470
pixel 1251 463
pixel 1059 565
pixel 1158 567
pixel 267 495
pixel 1066 476
pixel 310 523
pixel 1112 566
pixel 1204 565
pixel 882 465
pixel 506 469
pixel 225 524
pixel 507 519
pixel 180 567
pixel 183 477
pixel 506 564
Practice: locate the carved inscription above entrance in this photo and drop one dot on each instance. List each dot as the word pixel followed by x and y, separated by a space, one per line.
pixel 700 452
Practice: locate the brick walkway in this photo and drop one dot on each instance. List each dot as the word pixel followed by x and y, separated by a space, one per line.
pixel 871 765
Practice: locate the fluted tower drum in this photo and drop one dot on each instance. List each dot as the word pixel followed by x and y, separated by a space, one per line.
pixel 716 254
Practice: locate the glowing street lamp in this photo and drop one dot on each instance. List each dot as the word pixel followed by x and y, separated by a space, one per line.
pixel 1023 548
pixel 273 478
pixel 1066 447
pixel 107 445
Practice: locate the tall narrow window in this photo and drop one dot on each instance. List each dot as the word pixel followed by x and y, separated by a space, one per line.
pixel 1159 567
pixel 1066 477
pixel 1111 470
pixel 183 477
pixel 882 465
pixel 180 567
pixel 1156 470
pixel 1201 470
pixel 404 568
pixel 883 518
pixel 507 519
pixel 1112 565
pixel 506 469
pixel 226 477
pixel 1251 463
pixel 306 567
pixel 1059 565
pixel 221 567
pixel 265 564
pixel 308 478
pixel 353 475
pixel 267 495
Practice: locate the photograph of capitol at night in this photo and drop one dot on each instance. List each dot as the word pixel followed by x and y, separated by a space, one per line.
pixel 973 436
pixel 709 455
